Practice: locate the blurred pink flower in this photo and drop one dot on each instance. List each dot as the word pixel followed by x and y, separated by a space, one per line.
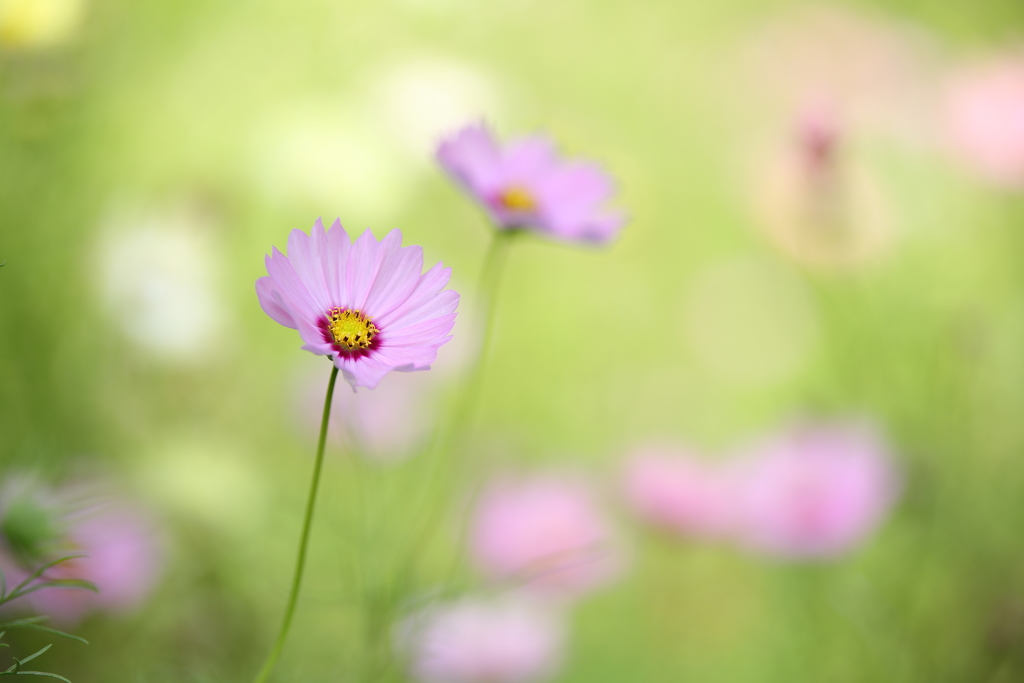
pixel 504 640
pixel 525 185
pixel 365 304
pixel 546 532
pixel 122 558
pixel 681 492
pixel 817 203
pixel 985 108
pixel 815 491
pixel 120 547
pixel 847 82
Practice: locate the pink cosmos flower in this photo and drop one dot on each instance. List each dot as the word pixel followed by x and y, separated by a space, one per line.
pixel 815 491
pixel 524 185
pixel 985 108
pixel 682 492
pixel 504 640
pixel 364 304
pixel 548 532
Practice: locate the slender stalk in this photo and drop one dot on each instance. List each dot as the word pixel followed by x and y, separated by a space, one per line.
pixel 490 282
pixel 300 562
pixel 461 416
pixel 445 438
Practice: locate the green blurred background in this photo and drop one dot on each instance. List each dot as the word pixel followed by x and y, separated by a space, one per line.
pixel 152 152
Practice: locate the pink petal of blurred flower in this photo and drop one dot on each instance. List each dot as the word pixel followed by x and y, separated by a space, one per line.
pixel 524 184
pixel 506 640
pixel 815 491
pixel 366 304
pixel 985 111
pixel 547 532
pixel 681 492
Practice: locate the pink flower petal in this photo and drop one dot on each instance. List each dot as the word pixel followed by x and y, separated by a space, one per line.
pixel 270 302
pixel 426 300
pixel 398 277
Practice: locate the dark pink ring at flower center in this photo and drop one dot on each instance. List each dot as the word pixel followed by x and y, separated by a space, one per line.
pixel 350 332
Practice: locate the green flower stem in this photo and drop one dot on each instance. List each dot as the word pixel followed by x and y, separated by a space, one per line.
pixel 490 283
pixel 446 438
pixel 300 563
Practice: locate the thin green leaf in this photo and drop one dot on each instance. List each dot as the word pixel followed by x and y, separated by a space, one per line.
pixel 39 572
pixel 33 623
pixel 54 632
pixel 57 583
pixel 37 673
pixel 24 588
pixel 33 656
pixel 25 620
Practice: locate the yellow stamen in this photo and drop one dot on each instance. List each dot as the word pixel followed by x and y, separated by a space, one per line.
pixel 517 199
pixel 351 330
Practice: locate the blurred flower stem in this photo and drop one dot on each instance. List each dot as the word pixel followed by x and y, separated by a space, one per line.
pixel 446 438
pixel 307 522
pixel 490 283
pixel 381 604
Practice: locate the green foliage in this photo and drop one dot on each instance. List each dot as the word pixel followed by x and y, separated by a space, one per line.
pixel 33 623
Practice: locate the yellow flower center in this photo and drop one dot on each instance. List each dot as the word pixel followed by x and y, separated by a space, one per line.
pixel 517 199
pixel 351 330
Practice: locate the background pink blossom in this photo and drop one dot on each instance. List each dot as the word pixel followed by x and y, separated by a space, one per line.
pixel 680 491
pixel 815 491
pixel 510 639
pixel 985 112
pixel 564 198
pixel 546 531
pixel 122 556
